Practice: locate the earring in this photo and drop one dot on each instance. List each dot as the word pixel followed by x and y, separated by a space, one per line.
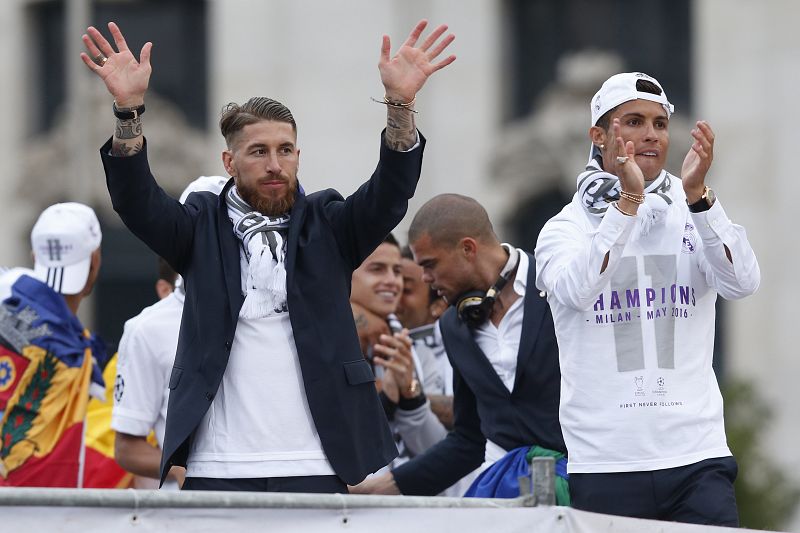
pixel 602 146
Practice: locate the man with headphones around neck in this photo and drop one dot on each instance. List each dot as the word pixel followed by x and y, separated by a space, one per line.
pixel 499 337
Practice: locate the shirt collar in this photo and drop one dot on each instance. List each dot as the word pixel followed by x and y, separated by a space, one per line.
pixel 521 279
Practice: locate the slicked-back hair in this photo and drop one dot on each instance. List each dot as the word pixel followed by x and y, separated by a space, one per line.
pixel 235 117
pixel 448 218
pixel 643 86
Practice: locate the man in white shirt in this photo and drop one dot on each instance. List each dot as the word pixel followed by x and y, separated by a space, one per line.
pixel 145 357
pixel 499 337
pixel 269 390
pixel 632 268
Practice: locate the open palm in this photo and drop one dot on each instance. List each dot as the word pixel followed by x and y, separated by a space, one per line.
pixel 404 74
pixel 125 77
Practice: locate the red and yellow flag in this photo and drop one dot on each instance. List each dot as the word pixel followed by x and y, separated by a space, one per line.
pixel 42 428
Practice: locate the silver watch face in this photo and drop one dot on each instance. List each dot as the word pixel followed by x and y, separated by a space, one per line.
pixel 710 197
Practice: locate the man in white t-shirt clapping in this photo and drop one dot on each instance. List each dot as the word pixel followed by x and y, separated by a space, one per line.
pixel 632 268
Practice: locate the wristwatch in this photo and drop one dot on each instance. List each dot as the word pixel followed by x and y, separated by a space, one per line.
pixel 413 388
pixel 705 202
pixel 128 113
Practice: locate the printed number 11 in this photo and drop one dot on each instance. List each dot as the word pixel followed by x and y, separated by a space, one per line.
pixel 662 270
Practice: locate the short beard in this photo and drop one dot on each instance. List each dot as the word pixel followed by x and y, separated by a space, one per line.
pixel 270 207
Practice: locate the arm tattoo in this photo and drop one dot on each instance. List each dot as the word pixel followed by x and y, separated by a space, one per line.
pixel 401 132
pixel 128 138
pixel 442 407
pixel 129 128
pixel 124 150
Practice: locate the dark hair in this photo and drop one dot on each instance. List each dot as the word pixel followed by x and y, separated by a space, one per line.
pixel 390 239
pixel 166 272
pixel 235 117
pixel 643 86
pixel 448 218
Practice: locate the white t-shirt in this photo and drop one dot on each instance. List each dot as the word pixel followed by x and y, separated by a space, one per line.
pixel 259 424
pixel 638 392
pixel 146 355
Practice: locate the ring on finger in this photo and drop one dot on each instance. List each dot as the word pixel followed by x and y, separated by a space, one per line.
pixel 100 60
pixel 622 159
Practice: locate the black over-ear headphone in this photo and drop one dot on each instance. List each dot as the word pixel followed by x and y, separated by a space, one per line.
pixel 474 307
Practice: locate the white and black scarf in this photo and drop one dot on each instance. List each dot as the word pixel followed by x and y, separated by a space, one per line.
pixel 263 245
pixel 598 189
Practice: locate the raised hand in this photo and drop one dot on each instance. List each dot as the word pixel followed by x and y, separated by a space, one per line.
pixel 125 77
pixel 404 74
pixel 698 161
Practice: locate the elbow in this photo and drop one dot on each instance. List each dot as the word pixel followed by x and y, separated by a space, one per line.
pixel 746 283
pixel 740 290
pixel 122 453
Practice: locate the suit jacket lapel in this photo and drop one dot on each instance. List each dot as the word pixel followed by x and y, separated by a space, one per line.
pixel 535 311
pixel 295 224
pixel 468 352
pixel 231 262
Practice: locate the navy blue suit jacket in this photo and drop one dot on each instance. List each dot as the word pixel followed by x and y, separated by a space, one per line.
pixel 483 407
pixel 328 238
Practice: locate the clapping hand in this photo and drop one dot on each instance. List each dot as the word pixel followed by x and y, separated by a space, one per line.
pixel 625 168
pixel 698 162
pixel 393 353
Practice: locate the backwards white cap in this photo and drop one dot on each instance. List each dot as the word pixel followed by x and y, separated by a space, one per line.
pixel 63 239
pixel 621 88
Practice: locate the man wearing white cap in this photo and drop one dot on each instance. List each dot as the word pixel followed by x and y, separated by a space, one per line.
pixel 145 357
pixel 66 250
pixel 40 334
pixel 632 268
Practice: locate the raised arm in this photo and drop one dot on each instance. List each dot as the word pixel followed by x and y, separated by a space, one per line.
pixel 404 75
pixel 159 220
pixel 126 79
pixel 728 260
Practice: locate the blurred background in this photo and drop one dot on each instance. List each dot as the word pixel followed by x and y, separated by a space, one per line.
pixel 506 123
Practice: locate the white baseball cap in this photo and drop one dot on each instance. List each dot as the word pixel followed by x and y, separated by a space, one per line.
pixel 213 184
pixel 63 240
pixel 621 88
